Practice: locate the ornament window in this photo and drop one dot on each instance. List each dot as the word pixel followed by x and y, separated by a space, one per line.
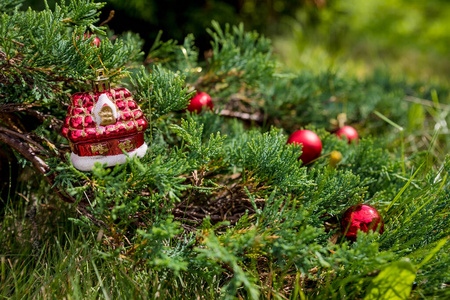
pixel 105 111
pixel 107 116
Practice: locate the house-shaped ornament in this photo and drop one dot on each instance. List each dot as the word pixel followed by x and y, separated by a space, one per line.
pixel 104 126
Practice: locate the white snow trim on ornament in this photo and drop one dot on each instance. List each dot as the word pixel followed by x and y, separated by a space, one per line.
pixel 86 163
pixel 103 100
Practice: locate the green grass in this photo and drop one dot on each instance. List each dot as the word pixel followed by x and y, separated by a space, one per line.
pixel 60 260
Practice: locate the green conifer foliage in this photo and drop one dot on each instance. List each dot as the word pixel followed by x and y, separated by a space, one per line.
pixel 219 206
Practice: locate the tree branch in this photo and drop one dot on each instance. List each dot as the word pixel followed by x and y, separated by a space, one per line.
pixel 22 136
pixel 15 42
pixel 110 17
pixel 26 151
pixel 38 163
pixel 257 117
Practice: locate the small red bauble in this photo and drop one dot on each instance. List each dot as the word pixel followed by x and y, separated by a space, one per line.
pixel 311 144
pixel 349 132
pixel 199 101
pixel 96 40
pixel 360 217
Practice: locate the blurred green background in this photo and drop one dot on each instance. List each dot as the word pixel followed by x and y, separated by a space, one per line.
pixel 410 38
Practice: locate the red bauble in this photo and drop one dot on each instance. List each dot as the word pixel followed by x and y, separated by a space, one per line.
pixel 349 132
pixel 200 101
pixel 360 217
pixel 95 42
pixel 311 144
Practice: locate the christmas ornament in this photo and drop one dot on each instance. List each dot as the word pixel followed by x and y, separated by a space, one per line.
pixel 103 124
pixel 199 101
pixel 96 40
pixel 349 132
pixel 335 158
pixel 360 217
pixel 311 144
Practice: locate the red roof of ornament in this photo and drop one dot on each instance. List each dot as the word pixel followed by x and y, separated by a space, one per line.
pixel 80 126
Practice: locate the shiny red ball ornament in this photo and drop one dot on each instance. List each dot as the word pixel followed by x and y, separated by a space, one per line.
pixel 311 144
pixel 349 132
pixel 96 40
pixel 200 101
pixel 360 217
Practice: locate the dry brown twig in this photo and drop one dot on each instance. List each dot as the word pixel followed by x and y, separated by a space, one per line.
pixel 110 17
pixel 257 117
pixel 16 141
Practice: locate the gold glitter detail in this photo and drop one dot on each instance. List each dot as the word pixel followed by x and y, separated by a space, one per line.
pixel 107 116
pixel 100 148
pixel 126 145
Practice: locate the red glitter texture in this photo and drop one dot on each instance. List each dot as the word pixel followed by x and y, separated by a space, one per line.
pixel 360 217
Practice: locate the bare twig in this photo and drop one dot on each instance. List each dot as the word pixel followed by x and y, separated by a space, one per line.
pixel 15 42
pixel 111 15
pixel 39 164
pixel 14 107
pixel 257 117
pixel 82 210
pixel 24 137
pixel 25 151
